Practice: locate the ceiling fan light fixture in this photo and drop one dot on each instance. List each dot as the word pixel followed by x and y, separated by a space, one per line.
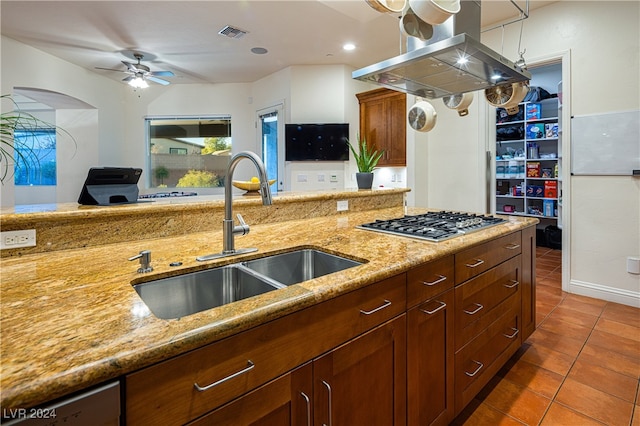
pixel 138 83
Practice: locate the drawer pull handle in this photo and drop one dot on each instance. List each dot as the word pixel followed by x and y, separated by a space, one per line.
pixel 307 401
pixel 386 304
pixel 329 397
pixel 438 281
pixel 480 365
pixel 442 306
pixel 512 246
pixel 473 265
pixel 514 334
pixel 475 311
pixel 513 284
pixel 249 366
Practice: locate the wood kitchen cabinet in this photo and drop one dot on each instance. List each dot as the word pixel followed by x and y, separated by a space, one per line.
pixel 383 118
pixel 194 384
pixel 430 350
pixel 430 357
pixel 281 402
pixel 364 381
pixel 488 312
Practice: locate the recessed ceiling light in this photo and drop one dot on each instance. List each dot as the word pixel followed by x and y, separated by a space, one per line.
pixel 259 50
pixel 349 46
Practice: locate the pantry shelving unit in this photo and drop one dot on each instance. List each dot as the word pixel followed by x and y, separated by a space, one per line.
pixel 529 161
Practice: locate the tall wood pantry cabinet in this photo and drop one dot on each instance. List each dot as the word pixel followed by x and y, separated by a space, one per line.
pixel 383 123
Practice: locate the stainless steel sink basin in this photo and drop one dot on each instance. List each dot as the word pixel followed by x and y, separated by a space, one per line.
pixel 298 266
pixel 193 292
pixel 182 295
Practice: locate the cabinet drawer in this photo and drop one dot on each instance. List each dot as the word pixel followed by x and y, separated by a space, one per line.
pixel 481 359
pixel 476 260
pixel 180 389
pixel 429 280
pixel 478 301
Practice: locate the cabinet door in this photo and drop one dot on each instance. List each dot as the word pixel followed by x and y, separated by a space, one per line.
pixel 363 382
pixel 430 356
pixel 373 125
pixel 284 401
pixel 383 116
pixel 396 146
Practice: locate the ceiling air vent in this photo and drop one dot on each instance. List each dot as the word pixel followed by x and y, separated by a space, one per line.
pixel 232 32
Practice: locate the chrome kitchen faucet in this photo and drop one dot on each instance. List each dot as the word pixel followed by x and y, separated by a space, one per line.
pixel 229 229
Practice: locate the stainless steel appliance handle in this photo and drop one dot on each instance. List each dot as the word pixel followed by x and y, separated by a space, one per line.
pixel 473 265
pixel 439 280
pixel 475 311
pixel 386 304
pixel 439 308
pixel 329 398
pixel 249 367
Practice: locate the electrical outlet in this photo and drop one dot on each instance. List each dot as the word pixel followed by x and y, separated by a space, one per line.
pixel 16 239
pixel 343 205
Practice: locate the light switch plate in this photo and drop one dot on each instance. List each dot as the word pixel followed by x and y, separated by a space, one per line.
pixel 343 205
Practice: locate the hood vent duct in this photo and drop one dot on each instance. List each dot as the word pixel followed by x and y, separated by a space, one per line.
pixel 451 62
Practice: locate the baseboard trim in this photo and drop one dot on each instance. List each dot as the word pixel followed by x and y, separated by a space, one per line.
pixel 625 297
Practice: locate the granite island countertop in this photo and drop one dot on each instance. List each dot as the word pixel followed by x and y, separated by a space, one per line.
pixel 71 318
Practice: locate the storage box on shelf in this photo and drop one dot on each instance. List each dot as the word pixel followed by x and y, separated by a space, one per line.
pixel 528 161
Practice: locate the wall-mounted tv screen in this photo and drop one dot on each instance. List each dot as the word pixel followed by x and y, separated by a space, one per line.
pixel 316 142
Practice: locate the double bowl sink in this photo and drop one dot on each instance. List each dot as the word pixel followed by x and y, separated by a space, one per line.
pixel 187 294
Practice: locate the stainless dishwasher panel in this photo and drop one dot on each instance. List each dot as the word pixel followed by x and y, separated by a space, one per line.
pixel 97 407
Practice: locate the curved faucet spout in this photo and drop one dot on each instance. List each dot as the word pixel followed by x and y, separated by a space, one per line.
pixel 265 192
pixel 229 230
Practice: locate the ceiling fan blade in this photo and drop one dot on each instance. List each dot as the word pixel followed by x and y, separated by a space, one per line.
pixel 109 69
pixel 158 80
pixel 128 79
pixel 162 74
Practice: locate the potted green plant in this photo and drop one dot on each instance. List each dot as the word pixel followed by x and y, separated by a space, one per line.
pixel 12 149
pixel 366 159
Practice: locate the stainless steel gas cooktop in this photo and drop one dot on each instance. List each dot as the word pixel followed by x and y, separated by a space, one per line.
pixel 434 226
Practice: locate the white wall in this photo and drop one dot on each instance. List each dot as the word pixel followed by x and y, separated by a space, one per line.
pixel 604 212
pixel 24 66
pixel 604 219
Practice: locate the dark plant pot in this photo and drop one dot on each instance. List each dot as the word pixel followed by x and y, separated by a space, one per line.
pixel 365 180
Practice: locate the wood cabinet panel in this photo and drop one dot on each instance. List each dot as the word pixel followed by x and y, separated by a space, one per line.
pixel 528 282
pixel 429 279
pixel 383 117
pixel 480 359
pixel 478 301
pixel 281 402
pixel 166 393
pixel 430 358
pixel 364 381
pixel 476 260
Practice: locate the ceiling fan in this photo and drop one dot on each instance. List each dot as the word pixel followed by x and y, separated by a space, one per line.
pixel 139 74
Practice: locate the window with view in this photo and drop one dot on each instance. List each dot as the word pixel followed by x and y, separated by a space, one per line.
pixel 35 157
pixel 188 152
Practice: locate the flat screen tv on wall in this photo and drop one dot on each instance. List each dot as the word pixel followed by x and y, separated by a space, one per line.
pixel 316 142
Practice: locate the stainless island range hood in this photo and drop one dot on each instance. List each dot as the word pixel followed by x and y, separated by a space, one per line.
pixel 451 62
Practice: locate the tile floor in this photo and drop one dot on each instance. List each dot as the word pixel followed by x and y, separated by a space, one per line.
pixel 580 367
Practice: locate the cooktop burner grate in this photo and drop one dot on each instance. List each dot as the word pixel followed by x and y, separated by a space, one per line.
pixel 434 226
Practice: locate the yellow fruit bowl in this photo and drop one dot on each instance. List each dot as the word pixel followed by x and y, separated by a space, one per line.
pixel 250 186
